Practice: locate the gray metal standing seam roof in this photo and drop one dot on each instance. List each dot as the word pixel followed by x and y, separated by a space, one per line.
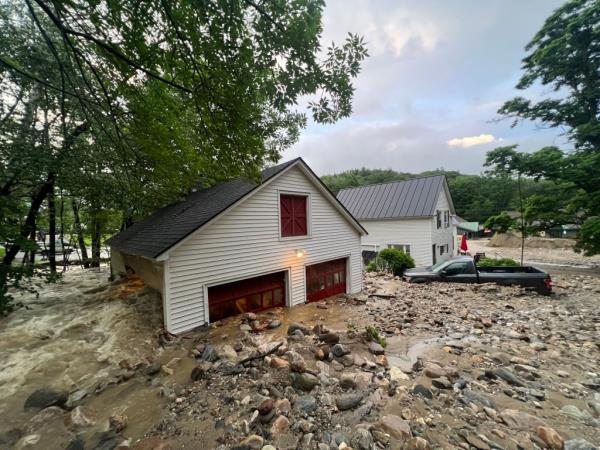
pixel 166 227
pixel 397 199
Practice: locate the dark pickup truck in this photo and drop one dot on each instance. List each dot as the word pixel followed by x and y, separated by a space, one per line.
pixel 462 269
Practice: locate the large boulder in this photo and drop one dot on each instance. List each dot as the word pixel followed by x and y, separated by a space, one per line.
pixel 395 426
pixel 521 421
pixel 45 397
pixel 348 401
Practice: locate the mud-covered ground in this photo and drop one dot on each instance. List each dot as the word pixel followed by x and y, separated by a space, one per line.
pixel 553 256
pixel 464 366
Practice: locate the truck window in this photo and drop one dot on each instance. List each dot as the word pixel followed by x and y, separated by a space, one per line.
pixel 457 268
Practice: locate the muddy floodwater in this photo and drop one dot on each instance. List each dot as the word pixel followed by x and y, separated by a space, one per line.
pixel 72 335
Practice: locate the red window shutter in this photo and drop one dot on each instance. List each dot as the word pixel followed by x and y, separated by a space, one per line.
pixel 300 228
pixel 293 215
pixel 287 215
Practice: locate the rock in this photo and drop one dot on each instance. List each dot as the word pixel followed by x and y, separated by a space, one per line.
pixel 253 442
pixel 45 397
pixel 519 420
pixel 348 401
pixel 475 397
pixel 270 447
pixel 47 416
pixel 376 348
pixel 395 426
pixel 152 443
pixel 538 346
pixel 118 422
pixel 550 437
pixel 210 353
pixel 416 443
pixel 227 352
pixel 77 396
pixel 422 391
pixel 579 444
pixel 286 441
pixel 279 363
pixel 283 405
pixel 167 370
pixel 297 363
pixel 79 418
pixel 361 439
pixel 433 371
pixel 275 323
pixel 265 406
pixel 297 327
pixel 339 350
pixel 306 403
pixel 330 338
pixel 280 425
pixel 441 383
pixel 304 381
pixel 508 376
pixel 152 369
pixel 397 375
pixel 475 441
pixel 574 412
pixel 348 380
pixel 200 371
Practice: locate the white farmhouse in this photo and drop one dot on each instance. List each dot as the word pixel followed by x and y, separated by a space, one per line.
pixel 414 215
pixel 242 246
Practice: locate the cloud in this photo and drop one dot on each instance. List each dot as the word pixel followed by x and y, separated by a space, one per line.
pixel 470 141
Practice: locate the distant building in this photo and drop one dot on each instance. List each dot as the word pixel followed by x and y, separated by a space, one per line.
pixel 416 216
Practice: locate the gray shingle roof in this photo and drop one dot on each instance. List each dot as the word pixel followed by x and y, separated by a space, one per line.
pixel 167 226
pixel 411 198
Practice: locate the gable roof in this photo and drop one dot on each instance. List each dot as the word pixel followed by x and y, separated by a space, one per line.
pixel 416 197
pixel 168 226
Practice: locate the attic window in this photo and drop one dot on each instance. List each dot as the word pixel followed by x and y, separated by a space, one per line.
pixel 293 215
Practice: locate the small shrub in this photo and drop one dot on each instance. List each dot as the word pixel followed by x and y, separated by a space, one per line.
pixel 372 266
pixel 396 260
pixel 487 262
pixel 372 334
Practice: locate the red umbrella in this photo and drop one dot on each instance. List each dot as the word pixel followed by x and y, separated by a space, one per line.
pixel 463 244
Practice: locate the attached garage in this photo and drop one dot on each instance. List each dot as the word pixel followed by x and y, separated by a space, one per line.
pixel 249 295
pixel 326 279
pixel 243 246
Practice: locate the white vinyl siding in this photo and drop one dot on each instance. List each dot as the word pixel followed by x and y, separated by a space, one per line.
pixel 413 232
pixel 444 235
pixel 245 242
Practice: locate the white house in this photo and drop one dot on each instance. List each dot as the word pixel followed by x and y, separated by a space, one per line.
pixel 414 215
pixel 241 246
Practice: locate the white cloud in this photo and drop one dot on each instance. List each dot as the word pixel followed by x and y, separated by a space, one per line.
pixel 470 141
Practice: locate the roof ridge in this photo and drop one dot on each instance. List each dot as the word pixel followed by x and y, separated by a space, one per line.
pixel 391 181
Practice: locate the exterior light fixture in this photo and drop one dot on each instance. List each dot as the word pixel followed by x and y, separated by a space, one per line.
pixel 299 253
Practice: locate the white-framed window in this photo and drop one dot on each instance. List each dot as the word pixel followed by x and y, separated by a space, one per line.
pixel 404 247
pixel 438 218
pixel 446 219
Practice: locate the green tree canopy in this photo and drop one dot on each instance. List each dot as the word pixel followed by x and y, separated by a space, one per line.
pixel 565 56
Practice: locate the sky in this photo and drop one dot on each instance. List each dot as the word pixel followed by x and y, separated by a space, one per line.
pixel 427 96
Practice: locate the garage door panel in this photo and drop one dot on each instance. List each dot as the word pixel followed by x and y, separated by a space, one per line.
pixel 325 279
pixel 249 295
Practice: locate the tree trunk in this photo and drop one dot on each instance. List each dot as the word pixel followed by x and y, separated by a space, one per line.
pixel 52 230
pixel 80 240
pixel 96 235
pixel 29 224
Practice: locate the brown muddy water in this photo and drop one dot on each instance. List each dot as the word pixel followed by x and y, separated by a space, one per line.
pixel 72 336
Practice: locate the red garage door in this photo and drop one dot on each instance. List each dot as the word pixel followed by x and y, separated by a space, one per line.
pixel 250 295
pixel 325 279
